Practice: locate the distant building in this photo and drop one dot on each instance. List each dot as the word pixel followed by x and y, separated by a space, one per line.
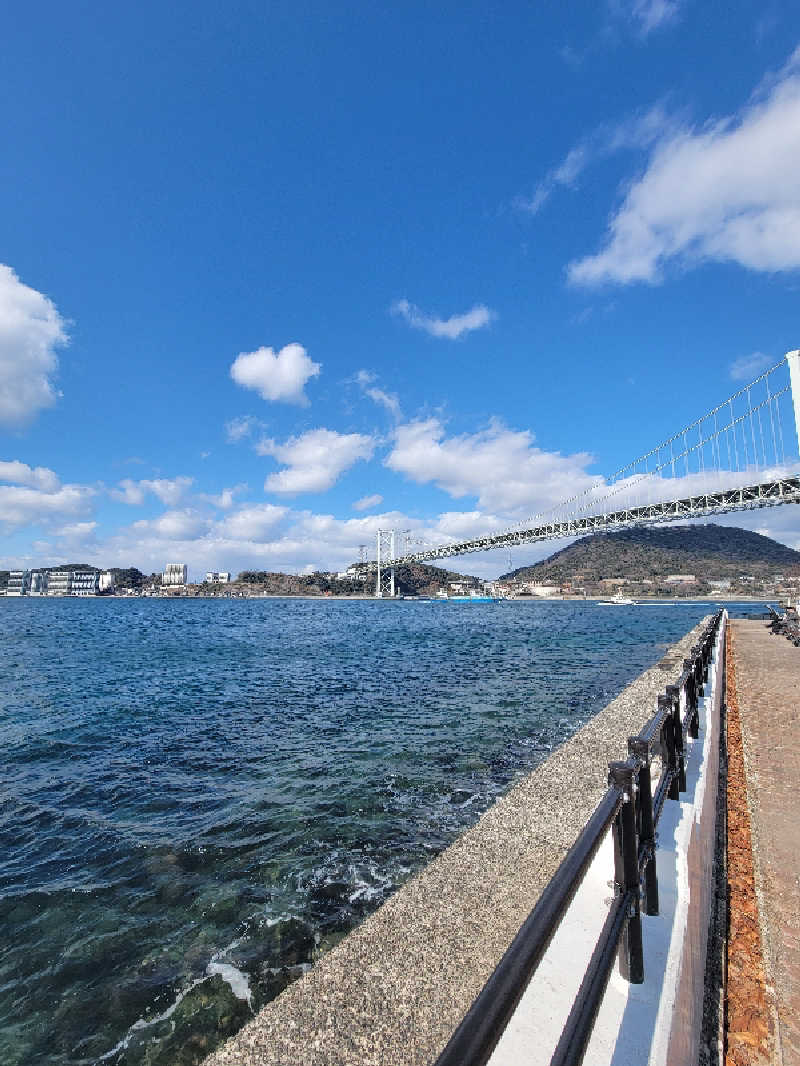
pixel 84 583
pixel 217 577
pixel 19 583
pixel 175 575
pixel 545 591
pixel 38 583
pixel 680 579
pixel 106 582
pixel 59 583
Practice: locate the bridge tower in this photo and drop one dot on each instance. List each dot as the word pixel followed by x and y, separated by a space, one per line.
pixel 385 554
pixel 793 359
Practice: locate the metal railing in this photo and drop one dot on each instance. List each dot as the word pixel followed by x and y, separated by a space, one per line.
pixel 786 624
pixel 633 811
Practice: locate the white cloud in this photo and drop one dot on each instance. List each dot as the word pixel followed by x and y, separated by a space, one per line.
pixel 636 132
pixel 223 500
pixel 169 490
pixel 276 377
pixel 454 327
pixel 314 460
pixel 649 15
pixel 22 506
pixel 240 428
pixel 77 530
pixel 747 367
pixel 31 330
pixel 500 466
pixel 18 473
pixel 174 525
pixel 366 503
pixel 252 523
pixel 366 382
pixel 725 193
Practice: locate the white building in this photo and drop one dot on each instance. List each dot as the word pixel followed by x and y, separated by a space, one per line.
pixel 19 583
pixel 175 575
pixel 84 583
pixel 217 577
pixel 38 583
pixel 106 582
pixel 59 583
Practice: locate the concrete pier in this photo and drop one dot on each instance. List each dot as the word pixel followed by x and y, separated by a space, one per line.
pixel 763 988
pixel 395 989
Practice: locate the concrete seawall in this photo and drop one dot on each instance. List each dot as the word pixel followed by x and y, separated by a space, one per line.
pixel 394 990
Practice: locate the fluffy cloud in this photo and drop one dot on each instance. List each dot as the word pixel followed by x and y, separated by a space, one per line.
pixel 725 193
pixel 174 525
pixel 169 490
pixel 276 377
pixel 31 330
pixel 22 506
pixel 314 460
pixel 500 466
pixel 252 523
pixel 223 500
pixel 366 503
pixel 454 327
pixel 39 477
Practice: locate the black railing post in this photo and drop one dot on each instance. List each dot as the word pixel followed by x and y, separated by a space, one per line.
pixel 671 744
pixel 674 696
pixel 626 871
pixel 640 749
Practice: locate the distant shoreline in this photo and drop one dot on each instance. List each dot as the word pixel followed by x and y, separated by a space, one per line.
pixel 417 599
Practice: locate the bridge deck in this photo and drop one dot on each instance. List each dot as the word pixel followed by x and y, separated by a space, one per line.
pixel 767 670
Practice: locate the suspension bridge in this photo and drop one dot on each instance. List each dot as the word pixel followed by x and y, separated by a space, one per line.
pixel 742 455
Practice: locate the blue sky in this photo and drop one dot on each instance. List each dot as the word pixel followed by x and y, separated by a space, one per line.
pixel 274 276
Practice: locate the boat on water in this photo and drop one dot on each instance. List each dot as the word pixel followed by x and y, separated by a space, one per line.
pixel 618 600
pixel 472 597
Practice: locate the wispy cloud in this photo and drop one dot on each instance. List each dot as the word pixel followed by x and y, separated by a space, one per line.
pixel 650 15
pixel 635 132
pixel 454 327
pixel 747 367
pixel 366 503
pixel 366 382
pixel 238 429
pixel 727 192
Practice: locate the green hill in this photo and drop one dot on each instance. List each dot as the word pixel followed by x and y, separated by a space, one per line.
pixel 710 551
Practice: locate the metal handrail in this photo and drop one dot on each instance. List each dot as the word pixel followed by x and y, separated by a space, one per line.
pixel 633 812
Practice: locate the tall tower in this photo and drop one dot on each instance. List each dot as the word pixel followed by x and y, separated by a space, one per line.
pixel 385 554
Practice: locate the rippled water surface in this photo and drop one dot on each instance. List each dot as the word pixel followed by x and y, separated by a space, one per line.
pixel 199 797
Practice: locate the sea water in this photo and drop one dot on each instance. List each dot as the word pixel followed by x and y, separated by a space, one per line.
pixel 199 797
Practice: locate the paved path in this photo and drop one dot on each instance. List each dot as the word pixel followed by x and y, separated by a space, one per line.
pixel 768 689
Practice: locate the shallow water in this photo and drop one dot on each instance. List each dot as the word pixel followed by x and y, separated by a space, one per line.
pixel 199 797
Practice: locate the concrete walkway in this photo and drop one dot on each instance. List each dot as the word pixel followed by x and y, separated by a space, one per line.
pixel 768 689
